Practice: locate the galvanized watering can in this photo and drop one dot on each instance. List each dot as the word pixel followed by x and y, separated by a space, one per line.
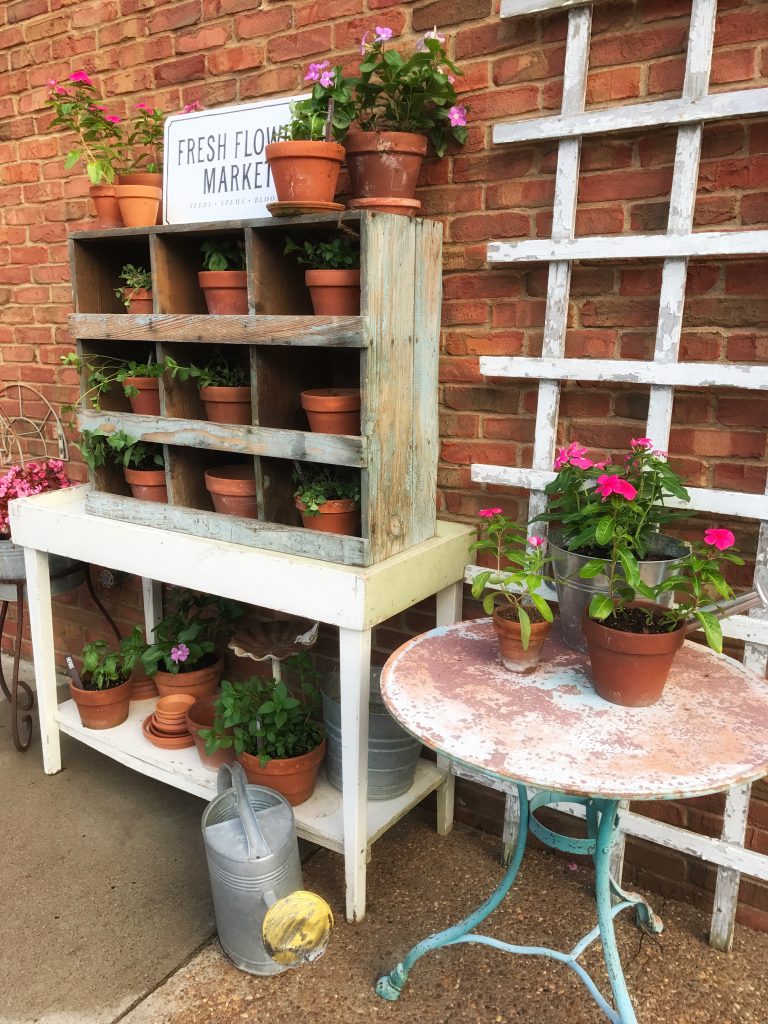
pixel 256 882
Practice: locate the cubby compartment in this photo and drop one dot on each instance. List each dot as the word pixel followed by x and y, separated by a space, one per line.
pixel 181 398
pixel 281 374
pixel 102 353
pixel 177 259
pixel 96 266
pixel 186 474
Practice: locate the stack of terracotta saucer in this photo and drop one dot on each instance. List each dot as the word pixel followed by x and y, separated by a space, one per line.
pixel 167 727
pixel 143 689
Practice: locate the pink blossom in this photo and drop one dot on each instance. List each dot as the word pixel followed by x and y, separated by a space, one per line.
pixel 191 108
pixel 641 442
pixel 180 653
pixel 96 106
pixel 112 118
pixel 721 539
pixel 573 455
pixel 382 34
pixel 145 106
pixel 536 542
pixel 80 76
pixel 315 70
pixel 433 34
pixel 363 42
pixel 613 484
pixel 457 115
pixel 488 513
pixel 601 465
pixel 326 79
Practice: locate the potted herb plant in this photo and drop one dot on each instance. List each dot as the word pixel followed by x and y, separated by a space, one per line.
pixel 136 295
pixel 140 381
pixel 144 152
pixel 142 461
pixel 588 503
pixel 223 279
pixel 632 643
pixel 328 498
pixel 523 621
pixel 334 275
pixel 275 734
pixel 225 390
pixel 102 692
pixel 184 656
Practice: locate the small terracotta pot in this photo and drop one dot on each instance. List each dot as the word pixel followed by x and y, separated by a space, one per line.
pixel 202 682
pixel 226 291
pixel 227 405
pixel 332 410
pixel 630 669
pixel 382 204
pixel 305 171
pixel 384 163
pixel 139 204
pixel 147 402
pixel 102 709
pixel 142 688
pixel 513 656
pixel 233 490
pixel 294 777
pixel 154 178
pixel 199 717
pixel 107 207
pixel 338 516
pixel 147 484
pixel 334 292
pixel 141 302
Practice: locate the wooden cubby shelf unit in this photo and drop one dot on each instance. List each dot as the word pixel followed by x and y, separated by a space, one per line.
pixel 390 350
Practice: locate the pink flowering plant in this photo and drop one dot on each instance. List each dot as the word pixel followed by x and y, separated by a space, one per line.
pixel 24 480
pixel 186 640
pixel 99 134
pixel 519 572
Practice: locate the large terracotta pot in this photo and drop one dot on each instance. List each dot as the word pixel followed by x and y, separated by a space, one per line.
pixel 294 777
pixel 384 163
pixel 200 716
pixel 514 656
pixel 304 171
pixel 332 410
pixel 141 302
pixel 226 291
pixel 337 516
pixel 201 682
pixel 334 292
pixel 147 402
pixel 102 709
pixel 154 178
pixel 139 204
pixel 106 205
pixel 233 490
pixel 630 669
pixel 227 404
pixel 147 484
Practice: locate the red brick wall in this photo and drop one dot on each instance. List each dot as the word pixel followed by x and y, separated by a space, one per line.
pixel 226 51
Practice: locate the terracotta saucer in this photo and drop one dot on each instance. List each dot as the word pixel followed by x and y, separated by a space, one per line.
pixel 161 729
pixel 296 209
pixel 165 742
pixel 175 704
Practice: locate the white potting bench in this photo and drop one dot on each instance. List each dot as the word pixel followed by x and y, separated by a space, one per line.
pixel 353 598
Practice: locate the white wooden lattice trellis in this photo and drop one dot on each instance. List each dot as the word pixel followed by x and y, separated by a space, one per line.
pixel 690 112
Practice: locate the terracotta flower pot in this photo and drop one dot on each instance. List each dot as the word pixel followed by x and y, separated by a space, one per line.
pixel 338 516
pixel 334 292
pixel 201 682
pixel 630 669
pixel 147 402
pixel 107 207
pixel 305 171
pixel 294 777
pixel 332 410
pixel 382 204
pixel 226 291
pixel 199 717
pixel 154 178
pixel 139 204
pixel 233 490
pixel 141 302
pixel 513 656
pixel 147 484
pixel 102 709
pixel 384 163
pixel 227 404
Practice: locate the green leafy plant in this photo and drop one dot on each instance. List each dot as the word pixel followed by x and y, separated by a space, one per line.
pixel 99 135
pixel 105 668
pixel 263 718
pixel 100 448
pixel 104 371
pixel 186 639
pixel 519 572
pixel 135 278
pixel 317 484
pixel 219 373
pixel 325 254
pixel 146 138
pixel 327 113
pixel 223 254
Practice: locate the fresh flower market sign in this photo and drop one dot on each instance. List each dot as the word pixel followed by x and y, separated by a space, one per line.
pixel 215 162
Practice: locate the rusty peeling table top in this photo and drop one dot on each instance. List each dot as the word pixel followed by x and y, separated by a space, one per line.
pixel 549 729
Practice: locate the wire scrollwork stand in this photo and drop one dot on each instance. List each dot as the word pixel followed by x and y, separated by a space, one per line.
pixel 30 429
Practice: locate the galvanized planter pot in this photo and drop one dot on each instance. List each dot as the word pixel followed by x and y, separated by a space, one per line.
pixel 66 573
pixel 574 593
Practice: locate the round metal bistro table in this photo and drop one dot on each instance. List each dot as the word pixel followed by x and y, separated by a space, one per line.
pixel 549 730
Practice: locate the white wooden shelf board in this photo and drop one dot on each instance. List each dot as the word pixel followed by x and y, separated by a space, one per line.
pixel 319 820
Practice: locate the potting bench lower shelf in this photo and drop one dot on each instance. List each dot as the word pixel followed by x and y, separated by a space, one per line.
pixel 320 820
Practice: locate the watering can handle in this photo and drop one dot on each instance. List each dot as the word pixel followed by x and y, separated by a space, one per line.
pixel 257 844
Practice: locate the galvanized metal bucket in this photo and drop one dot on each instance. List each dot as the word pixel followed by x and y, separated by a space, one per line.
pixel 574 593
pixel 253 860
pixel 392 753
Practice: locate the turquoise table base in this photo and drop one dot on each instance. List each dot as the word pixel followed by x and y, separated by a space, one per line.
pixel 601 826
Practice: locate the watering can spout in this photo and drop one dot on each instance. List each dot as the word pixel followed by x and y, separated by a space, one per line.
pixel 737 605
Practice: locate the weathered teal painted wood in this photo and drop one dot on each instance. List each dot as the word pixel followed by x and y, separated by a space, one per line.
pixel 235 529
pixel 329 449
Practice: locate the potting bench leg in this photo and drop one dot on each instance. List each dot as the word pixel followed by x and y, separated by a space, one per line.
pixel 448 609
pixel 355 672
pixel 152 597
pixel 41 631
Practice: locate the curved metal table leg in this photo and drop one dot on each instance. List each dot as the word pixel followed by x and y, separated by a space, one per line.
pixel 12 693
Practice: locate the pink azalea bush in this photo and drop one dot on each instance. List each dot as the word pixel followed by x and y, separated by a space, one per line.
pixel 22 481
